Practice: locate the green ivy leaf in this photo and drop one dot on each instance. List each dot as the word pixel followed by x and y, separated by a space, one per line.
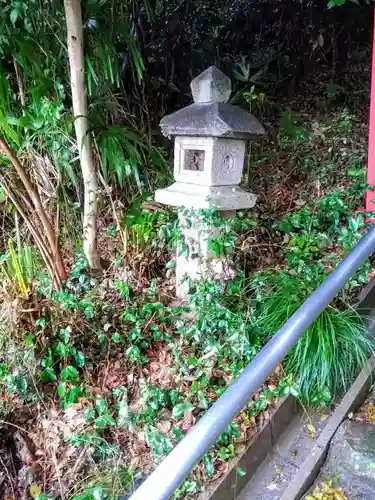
pixel 65 334
pixel 101 405
pixel 17 384
pixel 4 370
pixel 61 349
pixel 208 465
pixel 179 410
pixel 72 396
pixel 80 358
pixel 89 414
pixel 41 322
pixel 116 337
pixel 123 413
pixel 104 420
pixel 61 390
pixel 240 471
pixel 14 16
pixel 48 375
pixel 69 373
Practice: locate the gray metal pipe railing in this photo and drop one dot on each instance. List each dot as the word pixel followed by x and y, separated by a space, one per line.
pixel 169 475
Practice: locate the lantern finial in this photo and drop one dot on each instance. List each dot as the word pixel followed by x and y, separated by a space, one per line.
pixel 211 86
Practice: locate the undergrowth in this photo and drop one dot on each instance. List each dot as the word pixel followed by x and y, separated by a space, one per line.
pixel 169 371
pixel 173 361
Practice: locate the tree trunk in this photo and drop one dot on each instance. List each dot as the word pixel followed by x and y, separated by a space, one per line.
pixel 79 98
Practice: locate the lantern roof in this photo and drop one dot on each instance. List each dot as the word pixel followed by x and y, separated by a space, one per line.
pixel 211 114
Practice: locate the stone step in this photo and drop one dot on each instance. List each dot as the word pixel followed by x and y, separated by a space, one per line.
pixel 350 464
pixel 291 450
pixel 298 455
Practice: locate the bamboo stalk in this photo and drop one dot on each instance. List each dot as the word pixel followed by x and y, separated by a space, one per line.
pixel 48 260
pixel 73 17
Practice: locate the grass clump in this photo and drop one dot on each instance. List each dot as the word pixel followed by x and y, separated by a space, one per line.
pixel 331 351
pixel 108 485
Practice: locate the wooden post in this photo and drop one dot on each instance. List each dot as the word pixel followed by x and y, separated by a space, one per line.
pixel 370 195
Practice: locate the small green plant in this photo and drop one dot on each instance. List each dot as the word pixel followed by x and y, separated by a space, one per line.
pixel 319 236
pixel 333 92
pixel 61 365
pixel 190 486
pixel 106 484
pixel 149 228
pixel 244 72
pixel 223 321
pixel 291 127
pixel 345 122
pixel 18 267
pixel 254 97
pixel 14 381
pixel 79 292
pixel 160 443
pixel 103 450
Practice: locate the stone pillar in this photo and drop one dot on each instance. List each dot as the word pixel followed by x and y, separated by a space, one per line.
pixel 195 260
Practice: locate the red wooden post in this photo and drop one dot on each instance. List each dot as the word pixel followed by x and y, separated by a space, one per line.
pixel 370 195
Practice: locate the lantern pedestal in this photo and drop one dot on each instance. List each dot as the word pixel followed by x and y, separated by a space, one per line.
pixel 195 260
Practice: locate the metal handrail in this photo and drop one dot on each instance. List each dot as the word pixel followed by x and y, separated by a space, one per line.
pixel 169 475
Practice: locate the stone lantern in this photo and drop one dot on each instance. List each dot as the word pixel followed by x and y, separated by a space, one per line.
pixel 210 144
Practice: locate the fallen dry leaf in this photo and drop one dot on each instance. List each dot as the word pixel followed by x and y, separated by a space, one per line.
pixel 161 374
pixel 326 491
pixel 23 450
pixel 240 448
pixel 35 490
pixel 280 471
pixel 272 486
pixel 311 429
pixel 164 426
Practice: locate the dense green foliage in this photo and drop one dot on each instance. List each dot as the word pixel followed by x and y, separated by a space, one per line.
pixel 108 370
pixel 331 351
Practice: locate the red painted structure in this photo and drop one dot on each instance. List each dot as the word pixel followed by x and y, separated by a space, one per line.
pixel 370 195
